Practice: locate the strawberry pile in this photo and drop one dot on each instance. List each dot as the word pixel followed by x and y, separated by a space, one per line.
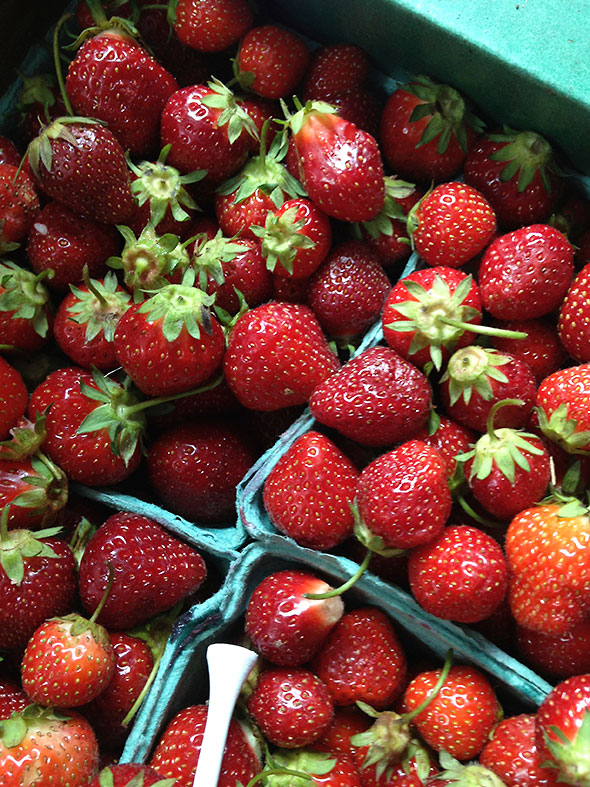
pixel 203 221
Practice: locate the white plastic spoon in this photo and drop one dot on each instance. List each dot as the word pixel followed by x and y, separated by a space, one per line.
pixel 229 666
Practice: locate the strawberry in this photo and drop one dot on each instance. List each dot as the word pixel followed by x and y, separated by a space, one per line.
pixel 206 129
pixel 26 316
pixel 12 697
pixel 35 489
pixel 512 754
pixel 285 626
pixel 212 25
pixel 65 242
pixel 461 716
pixel 348 290
pixel 557 656
pixel 276 356
pixel 68 661
pixel 451 224
pixel 19 205
pixel 329 769
pixel 403 498
pixel 540 601
pixel 338 164
pixel 86 319
pixel 312 477
pixel 80 163
pixel 426 131
pixel 526 273
pixel 542 349
pixel 477 378
pixel 515 171
pixel 271 61
pixel 563 407
pixel 297 236
pixel 114 79
pixel 128 775
pixel 9 153
pixel 346 722
pixel 171 342
pixel 461 575
pixel 334 68
pixel 291 707
pixel 14 397
pixel 572 329
pixel 133 546
pixel 362 659
pixel 177 752
pixel 449 438
pixel 47 747
pixel 561 729
pixel 377 398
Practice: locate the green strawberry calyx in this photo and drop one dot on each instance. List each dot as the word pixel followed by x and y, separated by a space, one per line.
pixel 465 774
pixel 563 430
pixel 100 306
pixel 26 438
pixel 293 768
pixel 526 153
pixel 17 545
pixel 48 492
pixel 116 25
pixel 395 189
pixel 74 625
pixel 164 187
pixel 23 293
pixel 40 152
pixel 232 114
pixel 570 755
pixel 209 256
pixel 107 779
pixel 471 369
pixel 448 112
pixel 37 718
pixel 311 110
pixel 180 307
pixel 282 237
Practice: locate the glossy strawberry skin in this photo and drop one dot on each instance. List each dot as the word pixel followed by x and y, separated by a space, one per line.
pixel 14 397
pixel 377 398
pixel 568 388
pixel 542 349
pixel 411 481
pixel 311 478
pixel 573 315
pixel 276 57
pixel 19 203
pixel 213 25
pixel 12 697
pixel 237 217
pixel 526 273
pixel 461 575
pixel 137 546
pixel 333 68
pixel 557 656
pixel 114 79
pixel 449 439
pixel 284 626
pixel 362 659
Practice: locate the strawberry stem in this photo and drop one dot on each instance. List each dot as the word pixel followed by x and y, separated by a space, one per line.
pixel 57 64
pixel 486 330
pixel 477 517
pixel 408 717
pixel 347 585
pixel 492 414
pixel 136 408
pixel 4 523
pixel 105 595
pixel 278 772
pixel 91 288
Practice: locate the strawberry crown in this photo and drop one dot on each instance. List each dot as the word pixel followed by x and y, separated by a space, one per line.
pixel 563 430
pixel 526 153
pixel 26 438
pixel 571 755
pixel 295 121
pixel 471 369
pixel 395 189
pixel 37 718
pixel 25 295
pixel 102 24
pixel 294 768
pixel 180 307
pixel 209 256
pixel 466 774
pixel 107 779
pixel 40 151
pixel 232 114
pixel 282 238
pixel 17 545
pixel 100 306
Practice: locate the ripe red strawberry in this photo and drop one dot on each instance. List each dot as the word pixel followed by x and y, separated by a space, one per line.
pixel 86 319
pixel 461 575
pixel 476 378
pixel 377 398
pixel 207 130
pixel 135 546
pixel 171 342
pixel 449 438
pixel 512 754
pixel 212 25
pixel 67 662
pixel 542 349
pixel 128 775
pixel 47 746
pixel 194 468
pixel 177 752
pixel 338 164
pixel 557 656
pixel 80 163
pixel 113 78
pixel 426 131
pixel 348 291
pixel 292 707
pixel 347 721
pixel 19 205
pixel 65 242
pixel 515 172
pixel 271 61
pixel 540 601
pixel 451 224
pixel 285 626
pixel 562 724
pixel 14 397
pixel 572 327
pixel 276 356
pixel 334 68
pixel 329 769
pixel 526 273
pixel 12 697
pixel 403 498
pixel 297 236
pixel 25 308
pixel 563 405
pixel 92 427
pixel 461 716
pixel 362 660
pixel 312 477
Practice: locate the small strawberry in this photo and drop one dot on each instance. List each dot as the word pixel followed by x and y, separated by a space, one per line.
pixel 210 25
pixel 43 746
pixel 526 273
pixel 129 775
pixel 276 356
pixel 563 405
pixel 291 707
pixel 572 327
pixel 26 315
pixel 14 397
pixel 338 164
pixel 362 659
pixel 377 398
pixel 542 349
pixel 136 546
pixel 285 626
pixel 177 752
pixel 451 224
pixel 19 205
pixel 311 478
pixel 271 61
pixel 461 575
pixel 556 655
pixel 403 498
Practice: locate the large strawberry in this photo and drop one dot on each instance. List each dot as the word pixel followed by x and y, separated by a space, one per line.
pixel 276 355
pixel 114 79
pixel 271 61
